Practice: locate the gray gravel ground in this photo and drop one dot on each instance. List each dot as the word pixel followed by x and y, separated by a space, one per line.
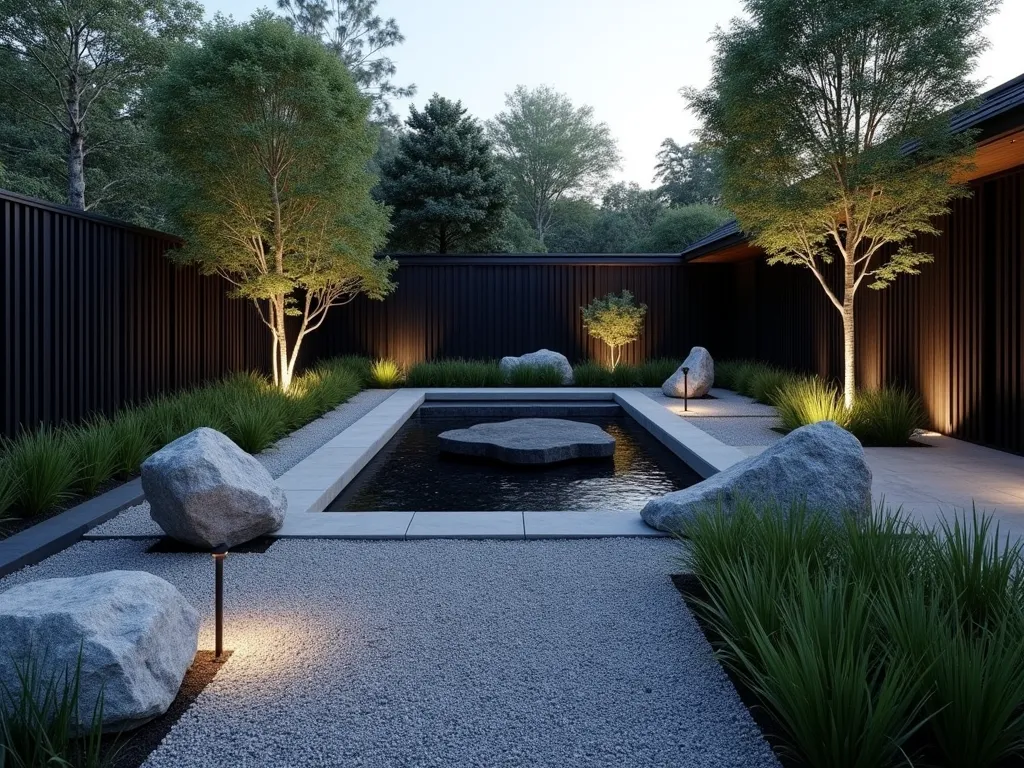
pixel 447 653
pixel 740 430
pixel 278 459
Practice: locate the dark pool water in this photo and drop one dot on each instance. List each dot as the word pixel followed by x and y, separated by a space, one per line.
pixel 410 473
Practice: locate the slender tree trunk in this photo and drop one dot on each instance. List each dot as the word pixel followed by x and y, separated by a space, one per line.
pixel 76 147
pixel 284 369
pixel 273 347
pixel 76 172
pixel 849 340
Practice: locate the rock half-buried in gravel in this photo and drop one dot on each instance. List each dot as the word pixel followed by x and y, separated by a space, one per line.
pixel 530 441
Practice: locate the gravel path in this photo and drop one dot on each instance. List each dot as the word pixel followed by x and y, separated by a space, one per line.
pixel 278 459
pixel 740 430
pixel 447 653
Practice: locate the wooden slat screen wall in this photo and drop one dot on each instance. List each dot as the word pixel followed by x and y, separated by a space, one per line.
pixel 954 333
pixel 95 316
pixel 488 307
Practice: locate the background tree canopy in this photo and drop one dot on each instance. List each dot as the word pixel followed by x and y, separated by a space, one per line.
pixel 550 149
pixel 353 31
pixel 690 174
pixel 443 183
pixel 71 78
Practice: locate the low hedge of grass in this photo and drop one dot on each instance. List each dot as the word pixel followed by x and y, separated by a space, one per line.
pixel 651 373
pixel 885 417
pixel 486 373
pixel 45 468
pixel 455 373
pixel 873 644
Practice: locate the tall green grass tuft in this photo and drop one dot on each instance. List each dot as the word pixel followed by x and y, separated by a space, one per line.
pixel 766 382
pixel 134 432
pixel 95 450
pixel 43 462
pixel 385 374
pixel 886 416
pixel 40 724
pixel 870 642
pixel 524 375
pixel 808 401
pixel 9 486
pixel 254 424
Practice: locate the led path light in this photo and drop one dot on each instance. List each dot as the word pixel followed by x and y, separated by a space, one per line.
pixel 219 553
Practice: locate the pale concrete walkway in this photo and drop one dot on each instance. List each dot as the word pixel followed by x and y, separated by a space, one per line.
pixel 930 483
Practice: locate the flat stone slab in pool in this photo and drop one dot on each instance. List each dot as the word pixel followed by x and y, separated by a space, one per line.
pixel 530 441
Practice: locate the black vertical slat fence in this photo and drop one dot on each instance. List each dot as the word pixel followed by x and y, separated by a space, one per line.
pixel 489 306
pixel 95 317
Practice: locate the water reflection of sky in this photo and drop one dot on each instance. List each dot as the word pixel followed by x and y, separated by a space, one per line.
pixel 411 473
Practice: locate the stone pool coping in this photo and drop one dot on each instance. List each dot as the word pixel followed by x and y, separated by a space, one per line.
pixel 314 482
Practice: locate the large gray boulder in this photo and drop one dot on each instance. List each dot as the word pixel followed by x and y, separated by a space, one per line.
pixel 699 379
pixel 530 441
pixel 821 465
pixel 135 632
pixel 540 357
pixel 204 490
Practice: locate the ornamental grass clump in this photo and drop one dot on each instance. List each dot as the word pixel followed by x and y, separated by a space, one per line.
pixel 809 400
pixel 254 424
pixel 385 374
pixel 9 486
pixel 95 449
pixel 43 461
pixel 870 643
pixel 886 416
pixel 765 383
pixel 615 320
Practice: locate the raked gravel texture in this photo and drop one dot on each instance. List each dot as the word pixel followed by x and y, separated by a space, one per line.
pixel 278 459
pixel 446 653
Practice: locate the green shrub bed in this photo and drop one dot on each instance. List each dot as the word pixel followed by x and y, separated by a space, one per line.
pixel 42 470
pixel 486 373
pixel 886 417
pixel 868 645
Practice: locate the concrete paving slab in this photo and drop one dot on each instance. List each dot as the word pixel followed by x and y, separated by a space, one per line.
pixel 465 525
pixel 345 525
pixel 585 525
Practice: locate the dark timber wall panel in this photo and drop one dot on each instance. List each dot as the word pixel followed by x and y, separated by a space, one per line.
pixel 954 333
pixel 491 306
pixel 95 316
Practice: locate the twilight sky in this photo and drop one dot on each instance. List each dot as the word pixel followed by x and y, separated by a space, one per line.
pixel 626 59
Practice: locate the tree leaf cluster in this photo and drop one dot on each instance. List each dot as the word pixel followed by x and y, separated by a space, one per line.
pixel 445 187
